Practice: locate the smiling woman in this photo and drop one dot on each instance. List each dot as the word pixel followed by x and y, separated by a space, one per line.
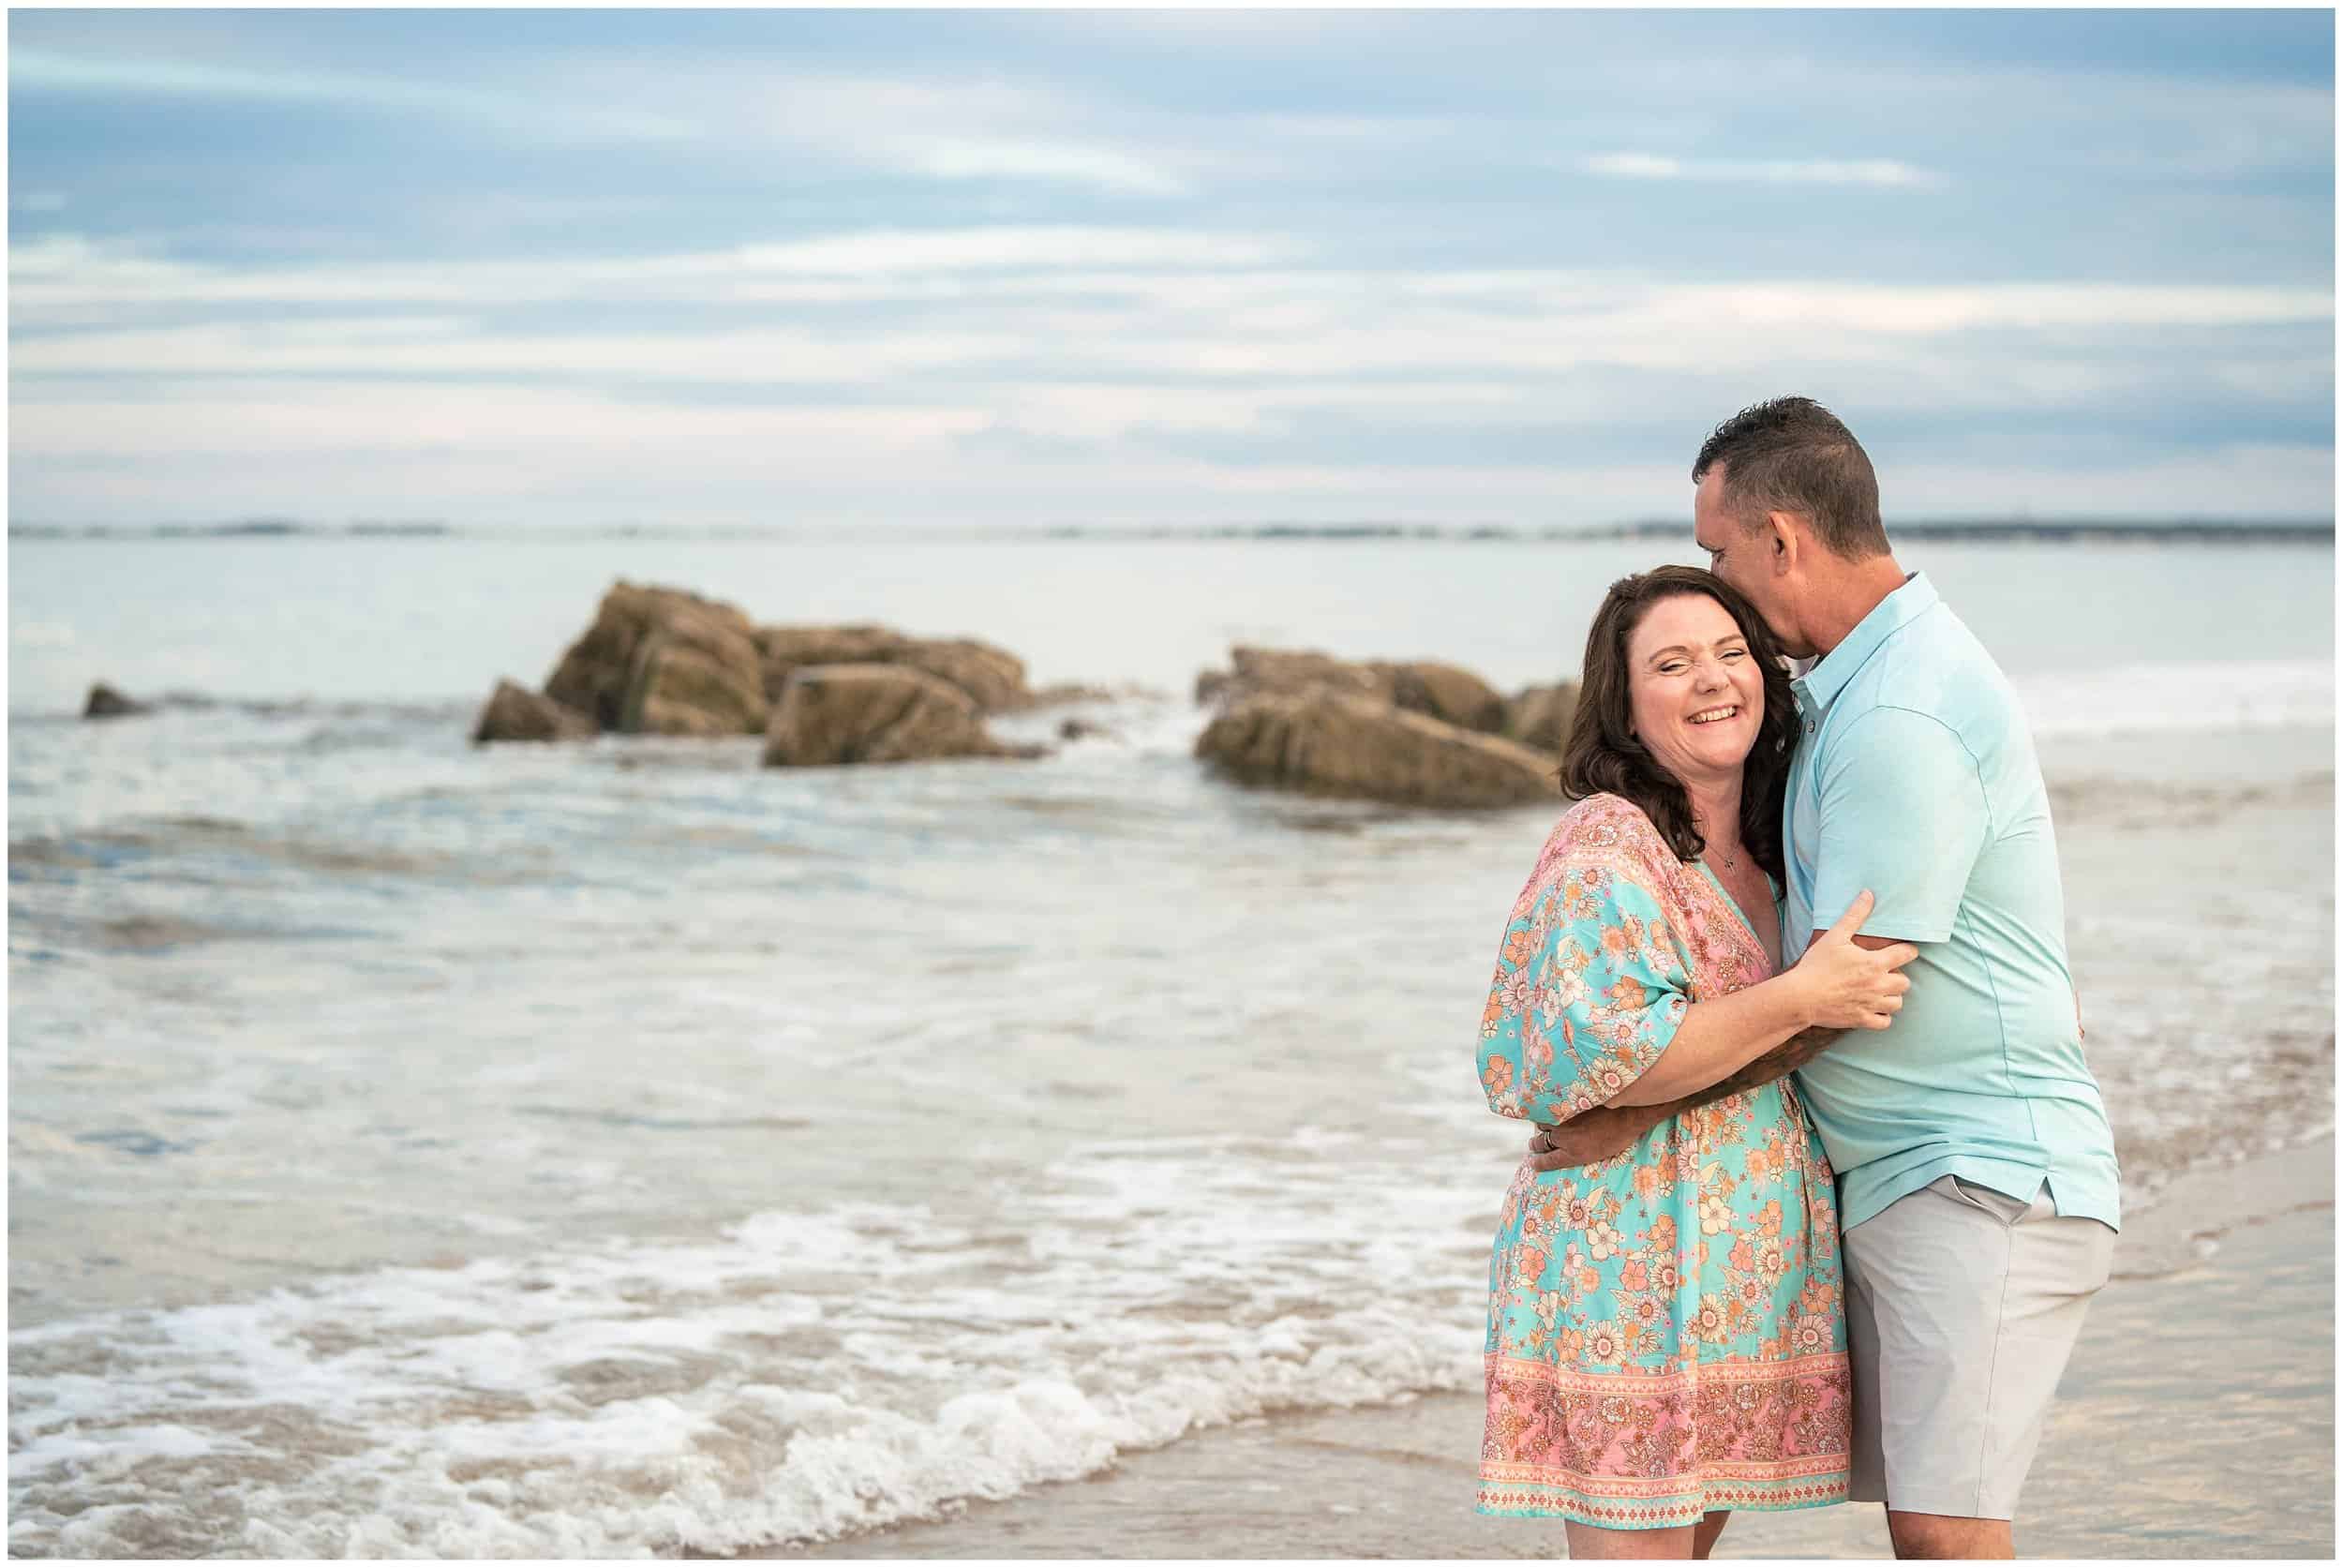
pixel 1666 1338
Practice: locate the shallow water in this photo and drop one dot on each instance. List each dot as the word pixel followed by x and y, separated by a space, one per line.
pixel 417 1150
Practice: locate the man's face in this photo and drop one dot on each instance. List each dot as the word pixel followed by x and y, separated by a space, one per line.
pixel 1742 557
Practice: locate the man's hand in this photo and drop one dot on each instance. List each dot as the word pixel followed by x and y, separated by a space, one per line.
pixel 1593 1135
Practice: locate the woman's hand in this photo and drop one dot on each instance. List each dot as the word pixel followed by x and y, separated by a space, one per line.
pixel 1851 987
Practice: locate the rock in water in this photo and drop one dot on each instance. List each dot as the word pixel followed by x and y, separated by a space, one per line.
pixel 1322 742
pixel 996 677
pixel 106 703
pixel 993 677
pixel 1540 716
pixel 785 650
pixel 681 689
pixel 1066 692
pixel 659 661
pixel 1446 692
pixel 1270 671
pixel 841 713
pixel 514 713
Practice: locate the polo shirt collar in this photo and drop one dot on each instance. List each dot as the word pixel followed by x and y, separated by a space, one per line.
pixel 1828 678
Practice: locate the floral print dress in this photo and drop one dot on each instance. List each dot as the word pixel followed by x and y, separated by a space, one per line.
pixel 1667 1334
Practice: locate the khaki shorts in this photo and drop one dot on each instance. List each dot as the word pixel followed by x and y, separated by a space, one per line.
pixel 1961 1306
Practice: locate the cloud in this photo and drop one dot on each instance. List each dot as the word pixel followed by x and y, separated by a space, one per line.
pixel 345 348
pixel 1007 260
pixel 947 128
pixel 2239 480
pixel 529 117
pixel 955 131
pixel 1239 294
pixel 489 455
pixel 75 269
pixel 1239 380
pixel 1102 167
pixel 1007 246
pixel 1860 172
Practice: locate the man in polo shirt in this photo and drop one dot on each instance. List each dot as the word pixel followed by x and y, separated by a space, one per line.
pixel 1977 1188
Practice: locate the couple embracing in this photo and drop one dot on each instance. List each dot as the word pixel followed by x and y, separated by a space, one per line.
pixel 1822 1187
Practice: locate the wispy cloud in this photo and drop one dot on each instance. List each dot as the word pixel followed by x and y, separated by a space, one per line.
pixel 934 126
pixel 73 273
pixel 942 130
pixel 1102 167
pixel 1246 280
pixel 1853 171
pixel 489 455
pixel 509 111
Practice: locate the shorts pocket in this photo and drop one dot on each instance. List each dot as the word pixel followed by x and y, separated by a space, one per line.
pixel 2000 1205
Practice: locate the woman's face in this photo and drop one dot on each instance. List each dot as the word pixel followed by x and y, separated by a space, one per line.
pixel 1696 692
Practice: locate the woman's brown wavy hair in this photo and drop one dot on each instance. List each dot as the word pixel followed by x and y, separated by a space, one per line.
pixel 1602 755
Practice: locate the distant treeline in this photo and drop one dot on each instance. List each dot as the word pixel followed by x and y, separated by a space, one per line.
pixel 2198 529
pixel 257 527
pixel 2168 529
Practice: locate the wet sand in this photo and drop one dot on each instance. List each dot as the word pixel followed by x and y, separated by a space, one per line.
pixel 2197 1419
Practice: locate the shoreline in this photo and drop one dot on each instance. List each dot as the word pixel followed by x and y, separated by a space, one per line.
pixel 2236 1260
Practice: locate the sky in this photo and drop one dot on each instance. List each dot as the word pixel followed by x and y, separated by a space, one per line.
pixel 1121 268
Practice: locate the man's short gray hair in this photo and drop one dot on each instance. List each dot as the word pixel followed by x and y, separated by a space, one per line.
pixel 1793 454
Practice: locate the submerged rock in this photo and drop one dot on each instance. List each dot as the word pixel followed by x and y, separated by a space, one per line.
pixel 1066 692
pixel 514 713
pixel 660 661
pixel 105 702
pixel 832 714
pixel 1321 741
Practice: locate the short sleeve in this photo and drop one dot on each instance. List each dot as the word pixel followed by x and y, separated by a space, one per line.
pixel 1590 986
pixel 1904 814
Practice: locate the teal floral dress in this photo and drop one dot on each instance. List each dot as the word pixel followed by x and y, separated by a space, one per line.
pixel 1667 1334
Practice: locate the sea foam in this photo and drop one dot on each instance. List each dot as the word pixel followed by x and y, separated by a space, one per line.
pixel 802 1375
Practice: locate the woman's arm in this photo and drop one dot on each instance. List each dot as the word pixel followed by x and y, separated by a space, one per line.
pixel 1838 984
pixel 1614 1128
pixel 1718 1039
pixel 1592 989
pixel 1850 981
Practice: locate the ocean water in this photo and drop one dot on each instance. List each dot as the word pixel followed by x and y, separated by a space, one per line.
pixel 417 1150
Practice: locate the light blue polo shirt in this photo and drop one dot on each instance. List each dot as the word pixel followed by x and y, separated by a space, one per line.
pixel 1914 776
